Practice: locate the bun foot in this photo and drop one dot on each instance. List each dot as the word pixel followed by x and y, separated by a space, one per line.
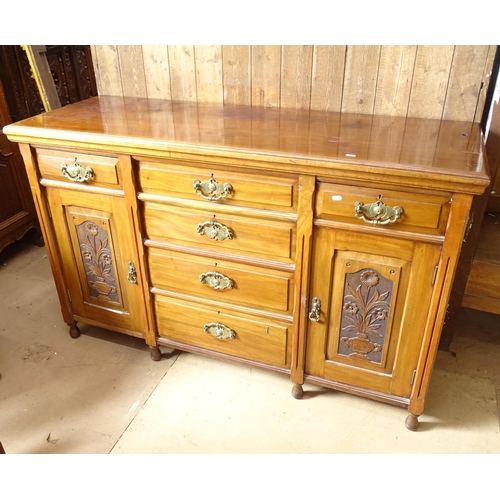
pixel 155 353
pixel 74 331
pixel 411 422
pixel 297 391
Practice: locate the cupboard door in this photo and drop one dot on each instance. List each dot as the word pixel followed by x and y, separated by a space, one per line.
pixel 98 257
pixel 375 294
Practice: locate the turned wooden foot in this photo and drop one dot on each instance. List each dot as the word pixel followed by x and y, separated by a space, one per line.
pixel 411 422
pixel 297 391
pixel 155 353
pixel 74 331
pixel 38 238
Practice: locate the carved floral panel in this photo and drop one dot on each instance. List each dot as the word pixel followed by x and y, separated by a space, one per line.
pixel 365 314
pixel 98 262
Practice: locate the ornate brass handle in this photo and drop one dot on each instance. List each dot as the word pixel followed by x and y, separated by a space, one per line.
pixel 132 273
pixel 315 307
pixel 377 213
pixel 214 231
pixel 76 172
pixel 219 331
pixel 211 189
pixel 216 280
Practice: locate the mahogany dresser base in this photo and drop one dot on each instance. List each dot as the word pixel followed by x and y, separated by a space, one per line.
pixel 322 246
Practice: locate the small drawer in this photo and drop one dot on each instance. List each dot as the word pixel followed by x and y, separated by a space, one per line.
pixel 427 213
pixel 251 338
pixel 94 170
pixel 222 232
pixel 233 188
pixel 222 281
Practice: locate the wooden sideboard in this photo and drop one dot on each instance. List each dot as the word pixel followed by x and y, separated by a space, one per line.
pixel 319 245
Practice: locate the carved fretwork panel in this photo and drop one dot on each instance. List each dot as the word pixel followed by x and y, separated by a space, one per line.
pixel 93 247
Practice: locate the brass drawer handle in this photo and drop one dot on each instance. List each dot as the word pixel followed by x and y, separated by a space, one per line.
pixel 76 172
pixel 219 331
pixel 216 280
pixel 132 273
pixel 377 213
pixel 212 190
pixel 214 231
pixel 315 308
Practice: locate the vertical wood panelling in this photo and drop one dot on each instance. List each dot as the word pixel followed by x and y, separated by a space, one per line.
pixel 236 74
pixel 107 69
pixel 266 64
pixel 394 81
pixel 182 72
pixel 431 81
pixel 327 77
pixel 296 71
pixel 487 71
pixel 156 71
pixel 132 71
pixel 208 64
pixel 360 79
pixel 464 86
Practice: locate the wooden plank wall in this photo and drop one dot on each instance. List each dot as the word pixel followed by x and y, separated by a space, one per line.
pixel 429 81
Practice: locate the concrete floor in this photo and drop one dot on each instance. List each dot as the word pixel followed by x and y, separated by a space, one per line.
pixel 102 393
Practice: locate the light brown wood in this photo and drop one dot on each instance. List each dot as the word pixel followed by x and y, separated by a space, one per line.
pixel 296 65
pixel 327 77
pixel 398 80
pixel 266 198
pixel 394 79
pixel 182 72
pixel 360 80
pixel 266 63
pixel 157 71
pixel 132 65
pixel 208 62
pixel 430 80
pixel 236 65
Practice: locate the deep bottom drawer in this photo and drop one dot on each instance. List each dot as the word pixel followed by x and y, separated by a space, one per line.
pixel 255 339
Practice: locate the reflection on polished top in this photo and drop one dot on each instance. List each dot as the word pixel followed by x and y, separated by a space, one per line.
pixel 304 136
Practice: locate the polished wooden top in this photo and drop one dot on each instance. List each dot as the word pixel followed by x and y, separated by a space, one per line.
pixel 300 139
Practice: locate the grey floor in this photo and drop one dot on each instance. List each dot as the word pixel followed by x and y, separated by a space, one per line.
pixel 102 394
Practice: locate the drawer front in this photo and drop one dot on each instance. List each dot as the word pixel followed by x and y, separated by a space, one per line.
pixel 254 339
pixel 103 169
pixel 174 180
pixel 225 233
pixel 221 281
pixel 421 212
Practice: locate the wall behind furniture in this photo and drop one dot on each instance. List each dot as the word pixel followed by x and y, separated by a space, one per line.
pixel 430 81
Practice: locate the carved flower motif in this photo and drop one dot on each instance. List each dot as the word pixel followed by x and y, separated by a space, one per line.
pixel 351 308
pixel 369 279
pixel 379 314
pixel 91 228
pixel 106 259
pixel 87 255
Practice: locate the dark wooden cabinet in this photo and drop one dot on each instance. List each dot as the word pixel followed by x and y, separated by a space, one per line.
pixel 72 71
pixel 17 210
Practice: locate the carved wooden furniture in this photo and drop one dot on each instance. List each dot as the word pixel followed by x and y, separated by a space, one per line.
pixel 17 211
pixel 319 245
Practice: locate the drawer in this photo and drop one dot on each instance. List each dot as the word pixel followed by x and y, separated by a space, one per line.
pixel 104 169
pixel 426 213
pixel 222 281
pixel 225 232
pixel 255 339
pixel 177 180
